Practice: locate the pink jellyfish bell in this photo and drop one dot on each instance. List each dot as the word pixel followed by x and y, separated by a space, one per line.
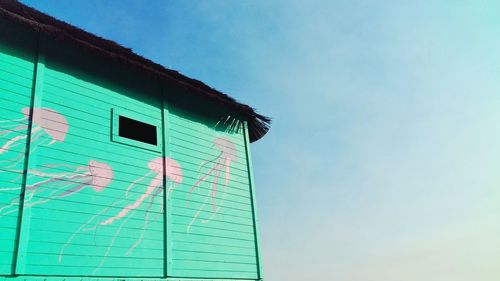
pixel 173 173
pixel 102 175
pixel 49 122
pixel 97 175
pixel 47 126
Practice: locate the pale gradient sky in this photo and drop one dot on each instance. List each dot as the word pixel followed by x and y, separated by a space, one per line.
pixel 383 161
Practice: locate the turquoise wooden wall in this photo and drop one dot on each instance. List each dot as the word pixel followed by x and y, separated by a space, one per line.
pixel 17 62
pixel 98 205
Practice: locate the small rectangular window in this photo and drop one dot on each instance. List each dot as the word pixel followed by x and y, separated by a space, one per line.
pixel 137 130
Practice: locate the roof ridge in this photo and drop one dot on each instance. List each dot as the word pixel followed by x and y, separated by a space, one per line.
pixel 13 10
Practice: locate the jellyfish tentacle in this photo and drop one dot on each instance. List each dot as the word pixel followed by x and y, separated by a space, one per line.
pixel 6 132
pixel 40 173
pixel 157 191
pixel 40 144
pixel 135 182
pixel 108 249
pixel 14 120
pixel 62 178
pixel 15 129
pixel 203 205
pixel 20 156
pixel 11 143
pixel 207 174
pixel 40 183
pixel 202 165
pixel 49 175
pixel 171 186
pixel 13 210
pixel 14 162
pixel 49 166
pixel 219 206
pixel 228 167
pixel 84 229
pixel 36 134
pixel 156 181
pixel 145 224
pixel 30 193
pixel 13 202
pixel 17 202
pixel 18 177
pixel 206 162
pixel 198 212
pixel 10 188
pixel 78 186
pixel 228 153
pixel 51 196
pixel 215 180
pixel 73 190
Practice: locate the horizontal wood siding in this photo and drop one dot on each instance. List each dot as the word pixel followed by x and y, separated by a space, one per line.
pixel 94 204
pixel 211 223
pixel 17 63
pixel 73 235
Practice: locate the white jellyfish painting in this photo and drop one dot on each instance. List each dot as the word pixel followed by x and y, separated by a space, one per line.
pixel 211 171
pixel 96 175
pixel 48 127
pixel 154 188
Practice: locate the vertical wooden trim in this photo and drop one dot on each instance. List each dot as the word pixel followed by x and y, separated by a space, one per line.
pixel 165 255
pixel 167 248
pixel 253 199
pixel 24 217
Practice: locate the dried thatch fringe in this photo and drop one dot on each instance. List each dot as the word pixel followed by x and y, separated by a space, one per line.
pixel 14 11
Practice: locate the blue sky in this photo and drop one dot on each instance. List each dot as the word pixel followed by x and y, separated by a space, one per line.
pixel 383 159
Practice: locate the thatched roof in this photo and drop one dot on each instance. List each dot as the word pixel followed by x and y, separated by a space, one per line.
pixel 55 29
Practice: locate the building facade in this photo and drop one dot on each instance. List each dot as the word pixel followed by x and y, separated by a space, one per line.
pixel 112 168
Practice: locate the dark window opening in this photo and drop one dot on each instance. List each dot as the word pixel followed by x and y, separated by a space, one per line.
pixel 136 130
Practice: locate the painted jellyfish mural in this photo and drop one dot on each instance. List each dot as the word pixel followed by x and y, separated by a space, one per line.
pixel 222 162
pixel 96 175
pixel 173 174
pixel 48 127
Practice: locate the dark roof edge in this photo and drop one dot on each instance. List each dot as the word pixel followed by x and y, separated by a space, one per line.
pixel 12 10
